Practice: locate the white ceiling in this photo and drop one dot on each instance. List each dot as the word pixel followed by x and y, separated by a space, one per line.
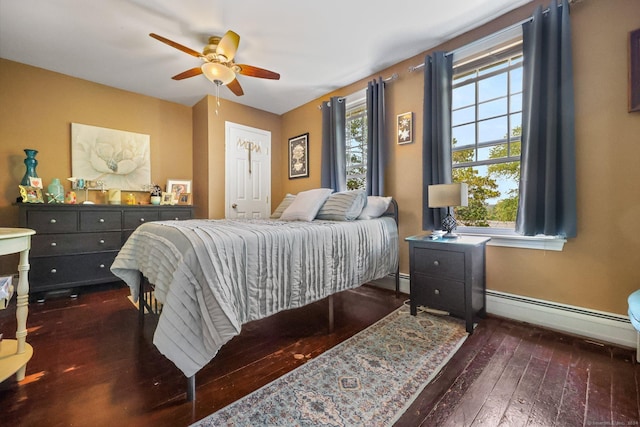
pixel 316 47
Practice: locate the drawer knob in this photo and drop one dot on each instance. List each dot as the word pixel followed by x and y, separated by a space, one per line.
pixel 141 219
pixel 53 221
pixel 54 244
pixel 101 220
pixel 437 291
pixel 54 271
pixel 101 241
pixel 436 263
pixel 101 265
pixel 176 218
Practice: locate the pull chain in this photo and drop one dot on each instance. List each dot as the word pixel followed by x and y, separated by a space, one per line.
pixel 217 97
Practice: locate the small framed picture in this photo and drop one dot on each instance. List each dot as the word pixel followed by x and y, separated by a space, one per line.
pixel 405 128
pixel 299 156
pixel 31 194
pixel 184 199
pixel 35 182
pixel 178 186
pixel 167 198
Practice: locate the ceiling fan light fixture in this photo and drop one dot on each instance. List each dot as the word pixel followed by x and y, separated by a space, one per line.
pixel 217 73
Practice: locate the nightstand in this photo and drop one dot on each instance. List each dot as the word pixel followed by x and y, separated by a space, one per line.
pixel 449 275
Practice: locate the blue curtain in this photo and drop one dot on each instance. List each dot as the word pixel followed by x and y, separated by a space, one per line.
pixel 376 132
pixel 333 172
pixel 547 202
pixel 436 144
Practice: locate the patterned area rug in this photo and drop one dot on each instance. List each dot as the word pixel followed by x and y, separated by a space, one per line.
pixel 368 380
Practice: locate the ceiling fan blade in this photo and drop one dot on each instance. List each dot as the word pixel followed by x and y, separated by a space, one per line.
pixel 189 73
pixel 228 45
pixel 176 45
pixel 235 87
pixel 251 71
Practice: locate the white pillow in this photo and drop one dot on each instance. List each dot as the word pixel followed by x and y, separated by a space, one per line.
pixel 343 206
pixel 376 206
pixel 306 205
pixel 284 204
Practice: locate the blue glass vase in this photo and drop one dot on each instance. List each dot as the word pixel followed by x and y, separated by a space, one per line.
pixel 30 162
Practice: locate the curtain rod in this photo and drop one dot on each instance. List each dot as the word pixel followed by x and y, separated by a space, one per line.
pixel 497 33
pixel 391 78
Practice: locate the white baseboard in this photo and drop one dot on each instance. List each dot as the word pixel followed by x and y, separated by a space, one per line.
pixel 595 325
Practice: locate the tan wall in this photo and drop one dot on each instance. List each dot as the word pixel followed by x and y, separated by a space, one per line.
pixel 596 270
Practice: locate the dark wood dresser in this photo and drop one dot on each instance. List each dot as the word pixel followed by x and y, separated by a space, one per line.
pixel 449 275
pixel 75 245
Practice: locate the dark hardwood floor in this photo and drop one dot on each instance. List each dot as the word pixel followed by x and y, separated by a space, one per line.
pixel 94 366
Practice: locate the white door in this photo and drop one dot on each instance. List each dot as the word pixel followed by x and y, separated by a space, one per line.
pixel 248 172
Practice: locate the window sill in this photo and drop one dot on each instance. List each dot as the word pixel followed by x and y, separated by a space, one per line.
pixel 509 239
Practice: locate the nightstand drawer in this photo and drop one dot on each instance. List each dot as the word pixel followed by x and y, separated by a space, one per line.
pixel 64 244
pixel 437 293
pixel 444 264
pixel 133 219
pixel 175 214
pixel 52 221
pixel 100 220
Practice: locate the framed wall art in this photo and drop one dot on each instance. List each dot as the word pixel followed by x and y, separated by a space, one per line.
pixel 118 159
pixel 405 128
pixel 634 70
pixel 299 156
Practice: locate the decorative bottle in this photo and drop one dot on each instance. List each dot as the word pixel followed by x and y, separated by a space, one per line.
pixel 56 191
pixel 30 162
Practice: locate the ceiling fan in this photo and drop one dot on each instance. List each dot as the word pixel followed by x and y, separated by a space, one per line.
pixel 218 65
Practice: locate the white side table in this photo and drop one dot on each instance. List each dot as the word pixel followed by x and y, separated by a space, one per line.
pixel 14 354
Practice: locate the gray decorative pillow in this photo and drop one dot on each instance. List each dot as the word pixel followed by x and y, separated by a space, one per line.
pixel 284 204
pixel 343 206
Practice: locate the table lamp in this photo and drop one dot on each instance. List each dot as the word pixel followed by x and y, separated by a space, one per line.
pixel 447 196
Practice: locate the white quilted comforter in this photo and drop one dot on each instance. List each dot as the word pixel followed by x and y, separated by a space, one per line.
pixel 215 275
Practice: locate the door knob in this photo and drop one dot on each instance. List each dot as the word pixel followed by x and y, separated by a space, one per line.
pixel 234 206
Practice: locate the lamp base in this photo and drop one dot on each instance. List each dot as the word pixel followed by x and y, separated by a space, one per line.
pixel 450 235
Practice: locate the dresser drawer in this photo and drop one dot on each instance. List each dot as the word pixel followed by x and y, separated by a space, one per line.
pixel 444 264
pixel 100 220
pixel 52 221
pixel 72 270
pixel 175 214
pixel 438 293
pixel 133 219
pixel 64 244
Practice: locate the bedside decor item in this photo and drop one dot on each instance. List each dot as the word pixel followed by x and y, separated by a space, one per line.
pixel 448 196
pixel 184 199
pixel 405 128
pixel 30 194
pixel 30 162
pixel 634 70
pixel 114 196
pixel 119 158
pixel 156 194
pixel 55 191
pixel 167 198
pixel 299 156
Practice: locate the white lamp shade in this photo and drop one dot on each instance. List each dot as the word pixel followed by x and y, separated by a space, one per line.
pixel 446 195
pixel 218 73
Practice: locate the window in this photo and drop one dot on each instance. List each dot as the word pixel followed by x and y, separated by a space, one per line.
pixel 486 128
pixel 356 141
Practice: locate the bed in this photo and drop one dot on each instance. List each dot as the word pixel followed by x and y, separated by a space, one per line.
pixel 212 276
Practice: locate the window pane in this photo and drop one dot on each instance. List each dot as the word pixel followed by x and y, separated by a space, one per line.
pixel 516 125
pixel 464 135
pixel 516 102
pixel 464 115
pixel 498 151
pixel 493 67
pixel 516 80
pixel 492 108
pixel 463 156
pixel 492 130
pixel 463 96
pixel 492 87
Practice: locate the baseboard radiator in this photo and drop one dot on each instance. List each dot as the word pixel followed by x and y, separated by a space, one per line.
pixel 594 325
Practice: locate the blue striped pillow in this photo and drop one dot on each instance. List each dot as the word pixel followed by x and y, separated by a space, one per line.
pixel 343 206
